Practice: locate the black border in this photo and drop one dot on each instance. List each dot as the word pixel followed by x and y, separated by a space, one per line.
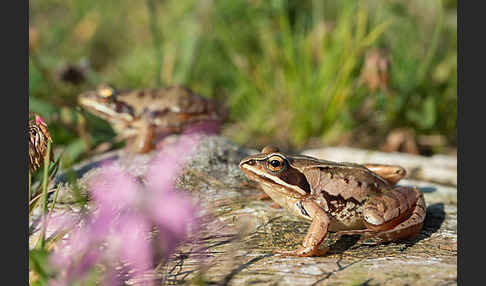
pixel 470 199
pixel 14 28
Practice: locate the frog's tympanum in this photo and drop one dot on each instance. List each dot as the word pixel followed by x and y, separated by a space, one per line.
pixel 141 115
pixel 343 197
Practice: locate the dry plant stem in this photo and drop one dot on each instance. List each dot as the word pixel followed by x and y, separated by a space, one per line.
pixel 45 180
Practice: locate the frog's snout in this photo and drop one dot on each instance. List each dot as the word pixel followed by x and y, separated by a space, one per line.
pixel 247 161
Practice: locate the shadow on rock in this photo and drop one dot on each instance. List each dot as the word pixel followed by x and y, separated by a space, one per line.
pixel 433 220
pixel 343 243
pixel 237 270
pixel 427 190
pixel 79 172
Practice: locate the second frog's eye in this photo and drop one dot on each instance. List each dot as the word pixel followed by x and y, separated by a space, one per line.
pixel 106 91
pixel 275 163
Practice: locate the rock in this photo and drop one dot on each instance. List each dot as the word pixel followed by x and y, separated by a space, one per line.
pixel 237 242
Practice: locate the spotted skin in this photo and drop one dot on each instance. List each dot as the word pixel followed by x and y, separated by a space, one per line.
pixel 343 197
pixel 142 116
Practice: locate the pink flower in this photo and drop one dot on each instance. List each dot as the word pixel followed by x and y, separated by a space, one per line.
pixel 118 228
pixel 39 120
pixel 172 218
pixel 74 268
pixel 136 248
pixel 168 163
pixel 114 189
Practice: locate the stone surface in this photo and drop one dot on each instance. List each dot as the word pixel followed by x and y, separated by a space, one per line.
pixel 240 232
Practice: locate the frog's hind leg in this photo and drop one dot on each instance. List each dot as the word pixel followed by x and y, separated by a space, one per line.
pixel 391 173
pixel 397 214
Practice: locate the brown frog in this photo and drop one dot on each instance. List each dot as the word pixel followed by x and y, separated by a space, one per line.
pixel 141 115
pixel 343 197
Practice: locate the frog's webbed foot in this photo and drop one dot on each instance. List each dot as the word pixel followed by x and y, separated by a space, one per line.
pixel 391 173
pixel 397 214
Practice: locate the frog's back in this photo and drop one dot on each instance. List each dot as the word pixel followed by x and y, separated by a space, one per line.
pixel 342 189
pixel 347 180
pixel 175 99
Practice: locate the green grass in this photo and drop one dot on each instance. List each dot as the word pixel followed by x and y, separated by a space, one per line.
pixel 288 70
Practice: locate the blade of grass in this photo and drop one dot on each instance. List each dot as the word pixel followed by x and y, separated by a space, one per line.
pixel 434 44
pixel 54 200
pixel 52 209
pixel 37 263
pixel 33 202
pixel 45 181
pixel 156 40
pixel 53 169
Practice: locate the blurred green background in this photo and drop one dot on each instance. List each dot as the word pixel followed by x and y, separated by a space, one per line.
pixel 297 74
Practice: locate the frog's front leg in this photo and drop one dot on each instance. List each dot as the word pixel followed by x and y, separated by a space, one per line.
pixel 391 173
pixel 145 137
pixel 397 214
pixel 264 197
pixel 315 235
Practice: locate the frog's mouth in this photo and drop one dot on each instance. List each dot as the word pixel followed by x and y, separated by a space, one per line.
pixel 121 111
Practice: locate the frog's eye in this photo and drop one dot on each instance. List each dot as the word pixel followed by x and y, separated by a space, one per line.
pixel 106 91
pixel 275 163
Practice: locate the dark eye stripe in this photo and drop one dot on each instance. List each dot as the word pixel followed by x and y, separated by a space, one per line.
pixel 121 107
